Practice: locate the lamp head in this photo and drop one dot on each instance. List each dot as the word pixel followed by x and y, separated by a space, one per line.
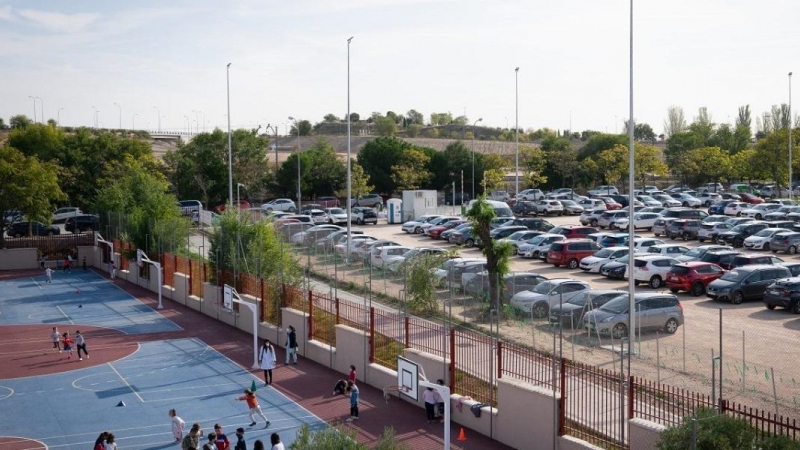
pixel 516 70
pixel 229 65
pixel 291 118
pixel 350 39
pixel 480 120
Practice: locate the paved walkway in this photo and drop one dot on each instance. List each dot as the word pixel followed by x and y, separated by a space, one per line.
pixel 308 383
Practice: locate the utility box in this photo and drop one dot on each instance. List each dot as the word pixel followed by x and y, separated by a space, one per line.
pixel 394 207
pixel 417 203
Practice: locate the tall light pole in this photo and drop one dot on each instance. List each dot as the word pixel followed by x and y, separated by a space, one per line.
pixel 41 111
pixel 187 123
pixel 299 196
pixel 238 202
pixel 631 230
pixel 34 107
pixel 516 130
pixel 159 118
pixel 133 121
pixel 97 118
pixel 58 117
pixel 349 181
pixel 473 156
pixel 275 129
pixel 120 114
pixel 791 190
pixel 196 120
pixel 230 147
pixel 94 116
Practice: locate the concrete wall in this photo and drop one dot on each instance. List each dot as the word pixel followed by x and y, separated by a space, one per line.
pixel 572 443
pixel 181 292
pixel 19 258
pixel 350 350
pixel 643 434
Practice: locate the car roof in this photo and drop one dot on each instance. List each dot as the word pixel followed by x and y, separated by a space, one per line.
pixel 754 267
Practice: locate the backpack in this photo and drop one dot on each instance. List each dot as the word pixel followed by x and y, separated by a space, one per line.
pixel 99 446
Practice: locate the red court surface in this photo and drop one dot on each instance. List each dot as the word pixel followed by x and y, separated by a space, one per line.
pixel 308 383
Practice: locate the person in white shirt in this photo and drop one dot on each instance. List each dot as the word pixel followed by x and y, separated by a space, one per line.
pixel 275 440
pixel 49 273
pixel 429 395
pixel 177 425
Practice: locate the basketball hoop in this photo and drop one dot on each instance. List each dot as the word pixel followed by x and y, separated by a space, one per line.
pixel 387 391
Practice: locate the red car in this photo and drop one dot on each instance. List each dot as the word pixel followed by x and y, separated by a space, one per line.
pixel 569 252
pixel 243 204
pixel 573 231
pixel 611 205
pixel 693 277
pixel 750 198
pixel 435 232
pixel 328 201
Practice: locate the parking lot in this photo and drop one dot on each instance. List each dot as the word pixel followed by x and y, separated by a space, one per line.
pixel 756 342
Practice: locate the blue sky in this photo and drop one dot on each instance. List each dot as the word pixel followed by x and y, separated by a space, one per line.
pixel 290 59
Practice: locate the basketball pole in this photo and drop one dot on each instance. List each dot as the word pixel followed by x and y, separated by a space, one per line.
pixel 141 257
pixel 234 297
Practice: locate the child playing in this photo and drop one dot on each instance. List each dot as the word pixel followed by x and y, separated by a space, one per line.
pixel 177 425
pixel 67 341
pixel 56 338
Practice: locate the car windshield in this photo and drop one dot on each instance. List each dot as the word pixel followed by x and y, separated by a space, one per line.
pixel 568 203
pixel 336 211
pixel 767 232
pixel 536 241
pixel 616 305
pixel 604 253
pixel 544 287
pixel 739 228
pixel 695 252
pixel 734 275
pixel 624 259
pixel 580 299
pixel 517 235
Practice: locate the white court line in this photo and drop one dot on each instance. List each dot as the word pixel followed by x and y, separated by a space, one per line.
pixel 126 383
pixel 145 304
pixel 65 315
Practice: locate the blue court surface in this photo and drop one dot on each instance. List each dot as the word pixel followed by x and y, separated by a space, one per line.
pixel 80 297
pixel 68 410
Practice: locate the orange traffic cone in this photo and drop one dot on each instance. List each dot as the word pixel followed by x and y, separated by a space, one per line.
pixel 461 435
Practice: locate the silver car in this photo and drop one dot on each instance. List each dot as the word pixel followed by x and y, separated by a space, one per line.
pixel 654 310
pixel 538 300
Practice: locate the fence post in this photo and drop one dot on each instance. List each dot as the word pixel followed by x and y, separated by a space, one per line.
pixel 452 361
pixel 371 335
pixel 631 391
pixel 310 316
pixel 337 310
pixel 499 359
pixel 562 401
pixel 406 340
pixel 263 308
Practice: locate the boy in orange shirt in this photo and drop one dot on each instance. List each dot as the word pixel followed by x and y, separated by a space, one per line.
pixel 252 403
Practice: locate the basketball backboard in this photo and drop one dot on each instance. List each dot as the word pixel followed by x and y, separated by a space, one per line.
pixel 227 297
pixel 408 378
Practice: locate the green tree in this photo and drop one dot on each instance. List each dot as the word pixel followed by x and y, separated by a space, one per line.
pixel 327 173
pixel 596 143
pixel 378 156
pixel 386 126
pixel 27 185
pixel 498 254
pixel 286 178
pixel 421 282
pixel 648 162
pixel 354 117
pixel 745 165
pixel 441 119
pixel 305 128
pixel 20 121
pixel 3 125
pixel 675 122
pixel 413 130
pixel 415 117
pixel 460 120
pixel 341 438
pixel 643 132
pixel 680 143
pixel 330 118
pixel 359 182
pixel 411 173
pixel 613 164
pixel 706 163
pixel 532 163
pixel 772 152
pixel 448 165
pixel 493 179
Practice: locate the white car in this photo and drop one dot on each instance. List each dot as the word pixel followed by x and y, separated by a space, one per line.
pixel 759 211
pixel 355 241
pixel 62 214
pixel 593 263
pixel 687 200
pixel 648 200
pixel 336 215
pixel 415 226
pixel 671 250
pixel 279 204
pixel 539 244
pixel 436 222
pixel 530 194
pixel 640 220
pixel 448 274
pixel 538 300
pixel 364 252
pixel 735 208
pixel 591 217
pixel 609 218
pixel 667 201
pixel 603 190
pixel 381 254
pixel 642 244
pixel 550 207
pixel 760 240
pixel 652 269
pixel 519 238
pixel 709 198
pixel 318 216
pixel 591 204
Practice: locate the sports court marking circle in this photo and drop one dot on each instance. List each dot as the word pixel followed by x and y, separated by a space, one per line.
pixel 101 384
pixel 16 442
pixel 9 394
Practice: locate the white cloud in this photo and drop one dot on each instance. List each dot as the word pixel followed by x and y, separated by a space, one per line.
pixel 6 13
pixel 58 22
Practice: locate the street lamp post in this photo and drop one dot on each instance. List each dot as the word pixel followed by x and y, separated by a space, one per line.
pixel 631 227
pixel 58 117
pixel 159 118
pixel 41 111
pixel 297 125
pixel 349 181
pixel 133 121
pixel 230 148
pixel 473 156
pixel 791 190
pixel 187 123
pixel 120 114
pixel 238 202
pixel 516 130
pixel 275 129
pixel 34 107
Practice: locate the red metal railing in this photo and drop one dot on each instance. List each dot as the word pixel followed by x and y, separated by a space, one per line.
pixel 666 405
pixel 593 405
pixel 474 368
pixel 765 423
pixel 525 364
pixel 426 336
pixel 388 337
pixel 323 317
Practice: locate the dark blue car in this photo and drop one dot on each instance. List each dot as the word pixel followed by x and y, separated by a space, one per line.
pixel 718 207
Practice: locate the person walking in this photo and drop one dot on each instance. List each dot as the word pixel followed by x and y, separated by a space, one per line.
pixel 211 445
pixel 111 442
pixel 112 269
pixel 192 440
pixel 41 262
pixel 49 273
pixel 67 264
pixel 429 396
pixel 80 343
pixel 55 336
pixel 100 443
pixel 68 345
pixel 177 423
pixel 353 401
pixel 266 360
pixel 291 345
pixel 240 443
pixel 252 403
pixel 84 264
pixel 222 441
pixel 275 440
pixel 352 376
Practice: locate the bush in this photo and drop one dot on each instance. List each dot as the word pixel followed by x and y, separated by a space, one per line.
pixel 341 438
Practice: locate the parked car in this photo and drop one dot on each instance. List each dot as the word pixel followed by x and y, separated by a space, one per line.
pixel 667 201
pixel 692 276
pixel 761 240
pixel 652 269
pixel 591 217
pixel 279 204
pixel 785 242
pixel 782 213
pixel 371 200
pixel 336 215
pixel 603 190
pixel 647 200
pixel 538 244
pixel 529 194
pixel 415 226
pixel 661 225
pixel 549 207
pixel 745 283
pixel 436 222
pixel 640 220
pixel 363 215
pixel 615 240
pixel 593 263
pixel 759 211
pixel 86 222
pixel 524 208
pixel 328 201
pixel 513 283
pixel 609 218
pixel 61 214
pixel 751 199
pixel 571 207
pixel 708 198
pixel 572 311
pixel 20 229
pixel 570 251
pixel 750 259
pixel 710 230
pixel 504 232
pixel 531 223
pixel 611 203
pixel 518 238
pixel 719 206
pixel 573 231
pixel 685 229
pixel 736 235
pixel 548 293
pixel 696 253
pixel 653 310
pixel 616 269
pixel 381 254
pixel 436 232
pixel 590 204
pixel 784 293
pixel 722 258
pixel 671 250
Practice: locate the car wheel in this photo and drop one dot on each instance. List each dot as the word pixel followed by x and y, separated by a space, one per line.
pixel 655 282
pixel 593 223
pixel 418 230
pixel 540 310
pixel 791 250
pixel 572 264
pixel 738 214
pixel 359 221
pixel 470 243
pixel 796 308
pixel 619 331
pixel 292 209
pixel 770 307
pixel 269 210
pixel 674 290
pixel 685 204
pixel 738 242
pixel 535 255
pixel 698 289
pixel 686 236
pixel 672 326
pixel 766 246
pixel 758 217
pixel 514 251
pixel 737 298
pixel 700 240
